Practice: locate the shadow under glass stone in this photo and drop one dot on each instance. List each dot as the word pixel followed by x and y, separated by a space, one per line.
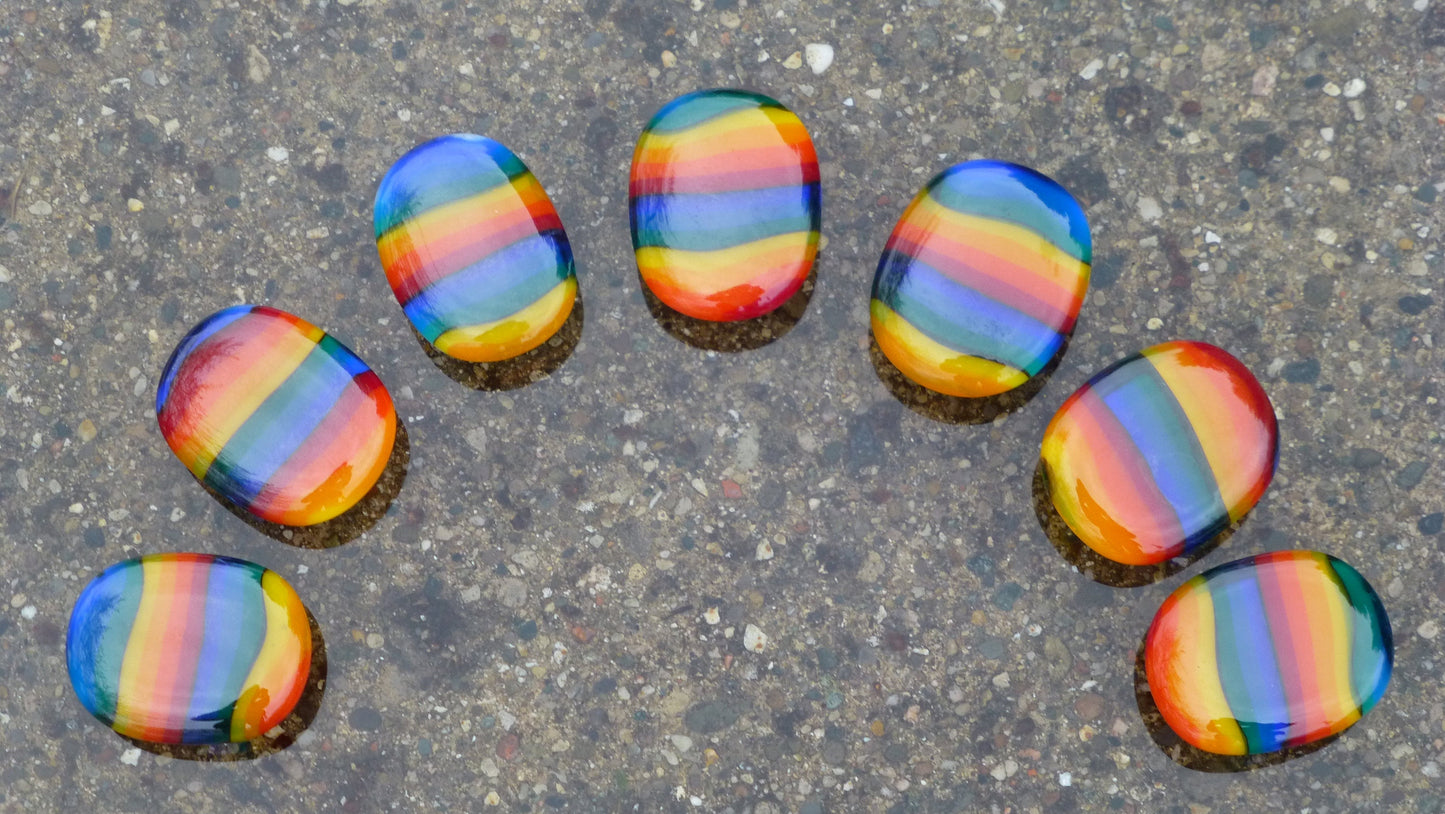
pixel 519 371
pixel 351 523
pixel 1192 757
pixel 733 337
pixel 307 706
pixel 1096 566
pixel 947 409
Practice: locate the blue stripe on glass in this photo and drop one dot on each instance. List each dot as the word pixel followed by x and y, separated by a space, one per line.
pixel 438 172
pixel 694 109
pixel 497 286
pixel 933 303
pixel 1245 653
pixel 278 427
pixel 349 361
pixel 98 634
pixel 228 649
pixel 1158 427
pixel 1009 192
pixel 707 221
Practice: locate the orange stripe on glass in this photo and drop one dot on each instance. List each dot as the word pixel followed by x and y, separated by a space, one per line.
pixel 788 160
pixel 1322 610
pixel 937 366
pixel 657 165
pixel 1180 663
pixel 1103 489
pixel 515 334
pixel 743 301
pixel 1014 282
pixel 317 482
pixel 1342 624
pixel 734 179
pixel 968 236
pixel 700 275
pixel 1230 414
pixel 176 674
pixel 1313 710
pixel 278 676
pixel 154 651
pixel 1291 635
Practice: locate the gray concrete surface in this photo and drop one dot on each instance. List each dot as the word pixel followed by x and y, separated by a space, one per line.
pixel 528 624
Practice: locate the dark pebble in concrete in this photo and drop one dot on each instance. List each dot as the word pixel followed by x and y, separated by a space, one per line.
pixel 982 567
pixel 711 716
pixel 365 719
pixel 1083 177
pixel 1430 524
pixel 1261 37
pixel 1007 594
pixel 332 178
pixel 1319 289
pixel 1363 458
pixel 991 648
pixel 1105 271
pixel 1411 474
pixel 864 446
pixel 1305 371
pixel 1415 303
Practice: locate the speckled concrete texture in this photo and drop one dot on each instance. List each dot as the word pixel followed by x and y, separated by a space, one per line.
pixel 551 614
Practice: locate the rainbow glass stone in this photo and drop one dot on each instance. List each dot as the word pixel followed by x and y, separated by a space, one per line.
pixel 1161 452
pixel 725 204
pixel 275 415
pixel 189 648
pixel 981 282
pixel 473 249
pixel 1268 652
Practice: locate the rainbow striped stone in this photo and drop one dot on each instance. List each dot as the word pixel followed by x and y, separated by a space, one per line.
pixel 982 279
pixel 275 415
pixel 1268 652
pixel 725 204
pixel 189 648
pixel 473 249
pixel 1160 452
